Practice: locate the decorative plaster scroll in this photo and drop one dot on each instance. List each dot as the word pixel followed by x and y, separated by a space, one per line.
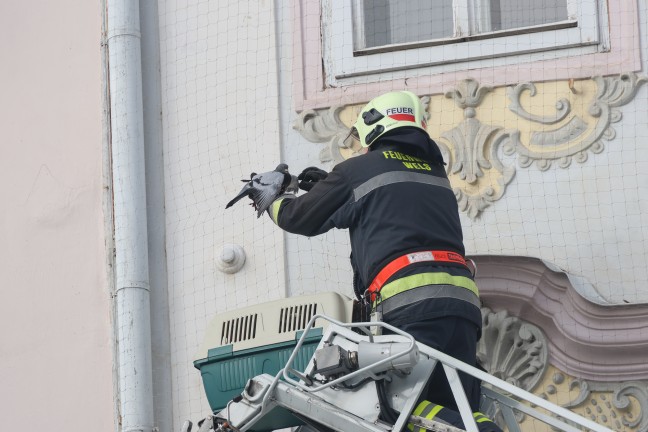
pixel 621 406
pixel 512 350
pixel 473 148
pixel 612 92
pixel 473 153
pixel 563 107
pixel 482 177
pixel 600 342
pixel 468 94
pixel 324 126
pixel 517 352
pixel 471 138
pixel 574 128
pixel 469 142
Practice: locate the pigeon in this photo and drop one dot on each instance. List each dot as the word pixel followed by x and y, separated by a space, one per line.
pixel 264 188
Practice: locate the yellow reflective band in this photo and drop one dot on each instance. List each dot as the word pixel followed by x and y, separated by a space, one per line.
pixel 411 427
pixel 481 418
pixel 414 281
pixel 419 409
pixel 425 409
pixel 417 412
pixel 434 412
pixel 275 210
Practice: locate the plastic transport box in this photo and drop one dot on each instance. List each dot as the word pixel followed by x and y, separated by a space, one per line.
pixel 242 344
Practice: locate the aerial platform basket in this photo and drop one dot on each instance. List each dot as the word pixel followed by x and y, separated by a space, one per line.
pixel 260 339
pixel 302 362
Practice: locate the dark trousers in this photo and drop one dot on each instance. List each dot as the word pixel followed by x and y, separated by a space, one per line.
pixel 456 337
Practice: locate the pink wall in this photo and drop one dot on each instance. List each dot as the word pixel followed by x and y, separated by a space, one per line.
pixel 55 348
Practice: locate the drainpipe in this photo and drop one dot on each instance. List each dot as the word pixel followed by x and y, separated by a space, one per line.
pixel 131 242
pixel 156 221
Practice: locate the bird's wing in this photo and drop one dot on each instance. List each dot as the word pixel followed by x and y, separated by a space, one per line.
pixel 266 188
pixel 263 189
pixel 244 192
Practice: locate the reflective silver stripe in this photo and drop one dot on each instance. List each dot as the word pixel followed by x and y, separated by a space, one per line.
pixel 392 177
pixel 428 409
pixel 425 292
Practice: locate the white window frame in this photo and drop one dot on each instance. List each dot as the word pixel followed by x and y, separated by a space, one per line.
pixel 580 34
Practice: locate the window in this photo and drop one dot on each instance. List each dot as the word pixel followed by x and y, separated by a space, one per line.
pixel 386 22
pixel 367 37
pixel 348 50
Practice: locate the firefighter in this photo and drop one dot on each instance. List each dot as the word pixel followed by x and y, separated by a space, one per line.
pixel 407 249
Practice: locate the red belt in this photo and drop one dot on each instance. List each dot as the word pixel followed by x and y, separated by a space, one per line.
pixel 401 262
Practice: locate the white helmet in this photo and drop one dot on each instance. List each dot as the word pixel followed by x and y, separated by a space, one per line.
pixel 388 112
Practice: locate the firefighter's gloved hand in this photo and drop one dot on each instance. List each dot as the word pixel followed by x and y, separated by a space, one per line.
pixel 309 177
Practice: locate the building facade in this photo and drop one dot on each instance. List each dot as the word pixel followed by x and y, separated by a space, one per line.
pixel 540 109
pixel 543 132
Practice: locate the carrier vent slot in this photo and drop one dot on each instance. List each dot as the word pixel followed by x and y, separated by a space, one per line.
pixel 295 318
pixel 239 329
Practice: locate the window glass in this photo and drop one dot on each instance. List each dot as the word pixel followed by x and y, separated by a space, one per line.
pixel 512 14
pixel 387 22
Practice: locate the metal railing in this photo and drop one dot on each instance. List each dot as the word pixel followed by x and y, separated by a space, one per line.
pixel 507 397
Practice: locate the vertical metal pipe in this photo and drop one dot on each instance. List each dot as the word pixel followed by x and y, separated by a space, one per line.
pixel 156 221
pixel 131 241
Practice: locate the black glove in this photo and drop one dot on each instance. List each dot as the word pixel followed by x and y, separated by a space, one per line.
pixel 309 177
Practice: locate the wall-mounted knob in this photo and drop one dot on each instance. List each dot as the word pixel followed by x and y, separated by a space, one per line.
pixel 231 259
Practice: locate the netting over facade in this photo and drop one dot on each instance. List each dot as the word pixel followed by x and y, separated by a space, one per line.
pixel 540 109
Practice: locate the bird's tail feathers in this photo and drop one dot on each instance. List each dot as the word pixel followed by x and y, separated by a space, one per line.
pixel 236 199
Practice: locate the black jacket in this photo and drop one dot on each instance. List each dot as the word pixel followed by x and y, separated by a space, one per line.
pixel 394 200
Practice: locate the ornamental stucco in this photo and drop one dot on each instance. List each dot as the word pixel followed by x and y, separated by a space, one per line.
pixel 512 350
pixel 517 351
pixel 477 126
pixel 621 406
